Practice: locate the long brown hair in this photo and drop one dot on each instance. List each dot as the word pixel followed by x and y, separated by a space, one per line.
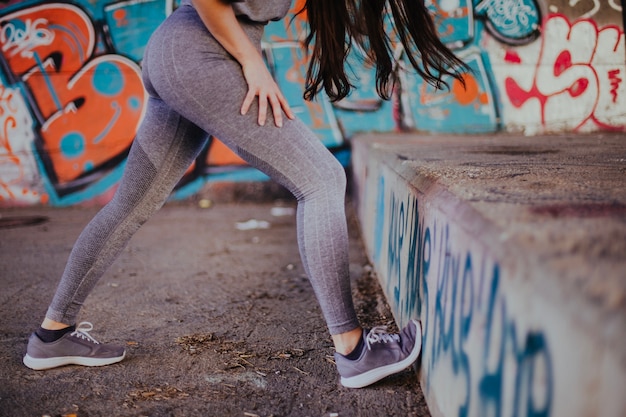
pixel 335 24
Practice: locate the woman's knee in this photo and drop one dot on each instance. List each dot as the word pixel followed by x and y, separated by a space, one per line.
pixel 332 179
pixel 339 175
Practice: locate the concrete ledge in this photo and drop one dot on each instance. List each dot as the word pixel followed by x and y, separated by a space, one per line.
pixel 512 252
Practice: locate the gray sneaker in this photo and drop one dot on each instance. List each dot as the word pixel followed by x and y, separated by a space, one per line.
pixel 384 354
pixel 77 348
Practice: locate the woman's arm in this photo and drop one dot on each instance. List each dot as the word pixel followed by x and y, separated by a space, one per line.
pixel 219 18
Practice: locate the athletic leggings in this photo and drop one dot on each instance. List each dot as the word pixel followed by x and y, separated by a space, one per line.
pixel 196 88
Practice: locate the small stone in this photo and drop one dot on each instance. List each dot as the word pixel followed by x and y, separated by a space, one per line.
pixel 205 203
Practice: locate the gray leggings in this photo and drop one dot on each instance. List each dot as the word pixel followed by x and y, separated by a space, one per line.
pixel 196 88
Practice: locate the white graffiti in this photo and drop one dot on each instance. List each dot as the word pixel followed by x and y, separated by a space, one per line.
pixel 595 8
pixel 23 41
pixel 593 11
pixel 18 171
pixel 508 13
pixel 615 5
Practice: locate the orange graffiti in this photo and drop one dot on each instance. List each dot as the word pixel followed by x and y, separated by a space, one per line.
pixel 220 154
pixel 95 126
pixel 297 6
pixel 469 93
pixel 40 49
pixel 89 108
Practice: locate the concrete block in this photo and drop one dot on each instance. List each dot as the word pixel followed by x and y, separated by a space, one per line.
pixel 512 252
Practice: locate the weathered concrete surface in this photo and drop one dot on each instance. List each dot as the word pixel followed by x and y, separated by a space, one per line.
pixel 512 250
pixel 217 321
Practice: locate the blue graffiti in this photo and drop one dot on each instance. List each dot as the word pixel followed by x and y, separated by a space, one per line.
pixel 446 338
pixel 380 218
pixel 528 358
pixel 461 25
pixel 129 24
pixel 469 109
pixel 515 22
pixel 404 215
pixel 466 294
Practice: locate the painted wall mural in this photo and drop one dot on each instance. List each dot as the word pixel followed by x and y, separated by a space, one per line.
pixel 71 96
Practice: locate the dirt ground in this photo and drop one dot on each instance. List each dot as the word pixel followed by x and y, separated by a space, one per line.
pixel 217 321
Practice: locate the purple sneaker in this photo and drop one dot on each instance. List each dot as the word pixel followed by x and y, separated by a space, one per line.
pixel 384 354
pixel 75 348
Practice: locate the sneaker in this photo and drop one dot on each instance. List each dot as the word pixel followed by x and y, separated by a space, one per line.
pixel 384 354
pixel 77 348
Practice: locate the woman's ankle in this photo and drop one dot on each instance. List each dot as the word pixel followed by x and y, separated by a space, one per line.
pixel 346 342
pixel 50 324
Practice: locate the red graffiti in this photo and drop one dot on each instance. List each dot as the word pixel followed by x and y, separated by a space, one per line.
pixel 512 57
pixel 615 82
pixel 568 83
pixel 518 96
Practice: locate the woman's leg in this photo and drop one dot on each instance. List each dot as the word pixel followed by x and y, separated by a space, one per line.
pixel 165 146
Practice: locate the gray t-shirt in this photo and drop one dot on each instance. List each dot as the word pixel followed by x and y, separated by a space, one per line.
pixel 261 11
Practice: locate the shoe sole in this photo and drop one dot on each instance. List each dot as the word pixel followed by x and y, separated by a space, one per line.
pixel 376 374
pixel 40 364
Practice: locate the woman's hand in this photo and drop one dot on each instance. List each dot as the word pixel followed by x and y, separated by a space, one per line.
pixel 262 85
pixel 219 18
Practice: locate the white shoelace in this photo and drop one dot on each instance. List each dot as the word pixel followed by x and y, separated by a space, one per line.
pixel 82 331
pixel 379 334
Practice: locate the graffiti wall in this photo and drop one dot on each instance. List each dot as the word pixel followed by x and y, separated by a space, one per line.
pixel 71 100
pixel 497 341
pixel 71 96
